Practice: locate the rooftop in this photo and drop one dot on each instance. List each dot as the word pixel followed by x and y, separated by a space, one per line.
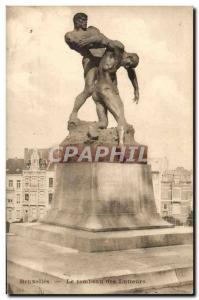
pixel 15 165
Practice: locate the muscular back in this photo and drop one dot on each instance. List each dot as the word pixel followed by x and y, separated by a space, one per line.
pixel 111 61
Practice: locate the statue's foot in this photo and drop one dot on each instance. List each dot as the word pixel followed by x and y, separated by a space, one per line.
pixel 73 119
pixel 102 124
pixel 93 132
pixel 130 129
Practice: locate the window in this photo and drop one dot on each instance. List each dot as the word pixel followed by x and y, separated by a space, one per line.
pixel 190 194
pixel 50 198
pixel 34 213
pixel 186 195
pixel 166 193
pixel 9 214
pixel 26 197
pixel 41 196
pixel 34 181
pixel 9 200
pixel 176 193
pixel 18 214
pixel 41 181
pixel 41 212
pixel 50 182
pixel 26 181
pixel 33 197
pixel 18 198
pixel 165 206
pixel 10 183
pixel 18 184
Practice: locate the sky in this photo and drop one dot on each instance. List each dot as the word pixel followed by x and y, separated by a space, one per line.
pixel 44 76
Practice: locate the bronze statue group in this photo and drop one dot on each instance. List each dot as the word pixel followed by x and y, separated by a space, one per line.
pixel 100 73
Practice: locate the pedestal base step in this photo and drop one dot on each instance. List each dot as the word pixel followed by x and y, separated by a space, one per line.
pixel 42 268
pixel 104 241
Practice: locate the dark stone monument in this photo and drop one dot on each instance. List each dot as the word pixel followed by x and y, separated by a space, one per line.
pixel 103 196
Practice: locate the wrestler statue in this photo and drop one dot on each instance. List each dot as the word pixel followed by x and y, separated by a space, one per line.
pixel 106 93
pixel 82 39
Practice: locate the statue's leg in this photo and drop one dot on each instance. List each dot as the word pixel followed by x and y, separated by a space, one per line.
pixel 114 104
pixel 101 112
pixel 115 85
pixel 90 78
pixel 102 123
pixel 102 115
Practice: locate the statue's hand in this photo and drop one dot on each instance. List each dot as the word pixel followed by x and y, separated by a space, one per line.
pixel 136 97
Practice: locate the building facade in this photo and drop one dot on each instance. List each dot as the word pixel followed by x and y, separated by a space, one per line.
pixel 173 190
pixel 30 193
pixel 14 197
pixel 158 167
pixel 177 194
pixel 14 189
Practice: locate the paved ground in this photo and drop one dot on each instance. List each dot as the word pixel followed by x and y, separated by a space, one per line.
pixel 63 261
pixel 29 259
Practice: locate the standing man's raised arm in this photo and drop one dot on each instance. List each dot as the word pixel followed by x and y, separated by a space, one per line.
pixel 96 40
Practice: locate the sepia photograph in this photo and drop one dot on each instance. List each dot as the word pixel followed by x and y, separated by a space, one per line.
pixel 99 150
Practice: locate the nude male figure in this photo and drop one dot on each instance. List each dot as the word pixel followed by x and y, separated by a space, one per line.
pixel 82 39
pixel 106 94
pixel 78 40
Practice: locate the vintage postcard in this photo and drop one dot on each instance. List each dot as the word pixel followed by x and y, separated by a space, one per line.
pixel 99 168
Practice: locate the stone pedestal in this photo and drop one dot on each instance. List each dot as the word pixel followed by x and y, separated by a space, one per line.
pixel 87 241
pixel 104 197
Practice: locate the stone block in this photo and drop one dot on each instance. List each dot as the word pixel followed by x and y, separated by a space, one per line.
pixel 104 241
pixel 103 197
